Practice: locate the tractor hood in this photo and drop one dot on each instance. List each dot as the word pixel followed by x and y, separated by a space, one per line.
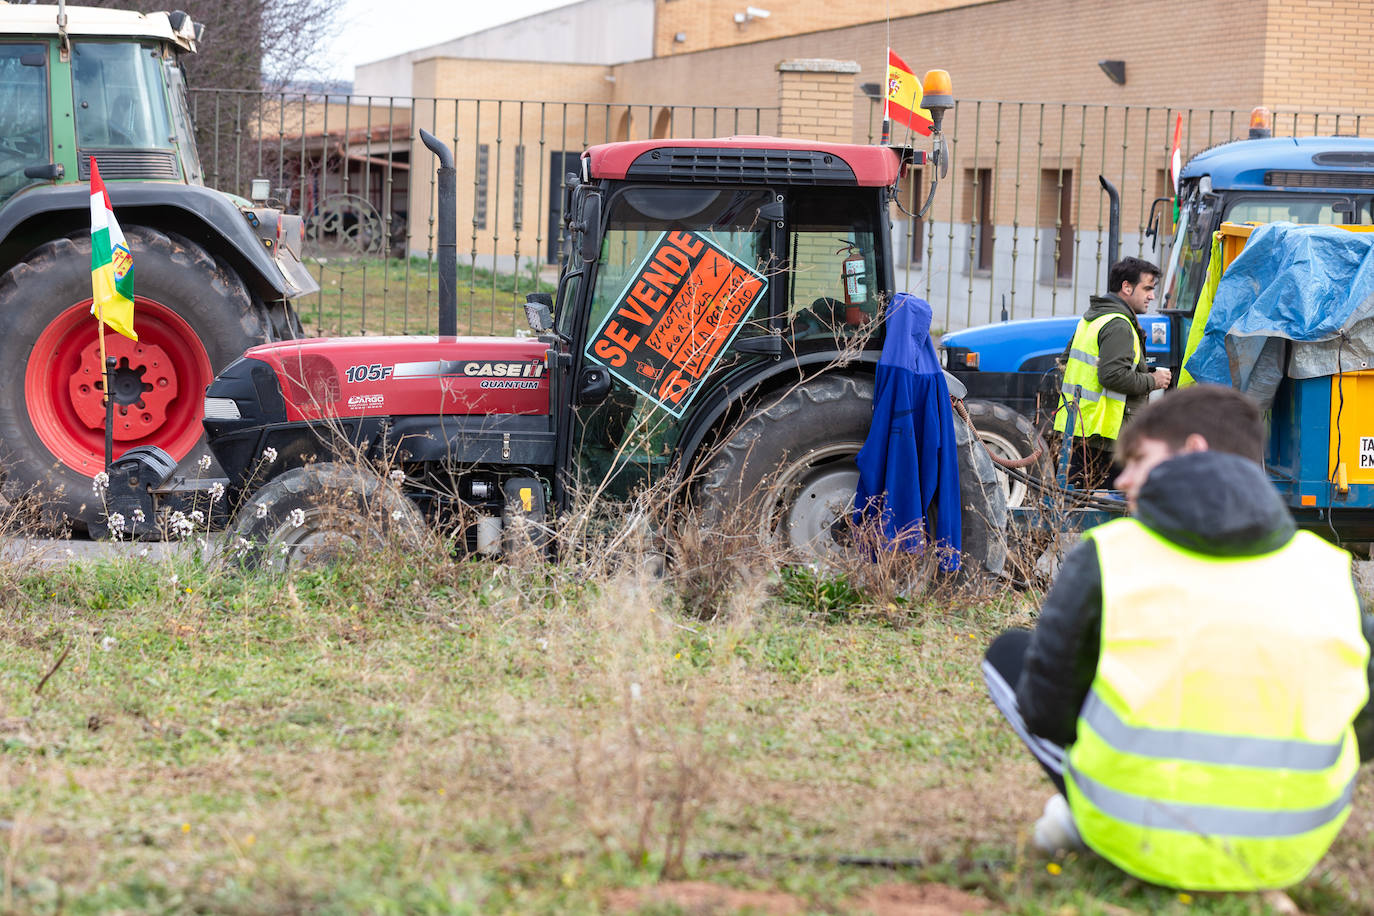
pixel 407 376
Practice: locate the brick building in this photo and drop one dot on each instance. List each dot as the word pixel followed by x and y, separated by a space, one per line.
pixel 1038 119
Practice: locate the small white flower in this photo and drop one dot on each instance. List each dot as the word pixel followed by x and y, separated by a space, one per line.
pixel 181 525
pixel 397 475
pixel 284 549
pixel 269 454
pixel 143 552
pixel 107 643
pixel 260 511
pixel 297 517
pixel 200 542
pixel 241 547
pixel 197 516
pixel 542 644
pixel 397 515
pixel 204 463
pixel 116 522
pixel 100 483
pixel 174 579
pixel 139 516
pixel 216 490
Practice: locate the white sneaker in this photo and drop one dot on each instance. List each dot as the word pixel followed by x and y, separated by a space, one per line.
pixel 1055 830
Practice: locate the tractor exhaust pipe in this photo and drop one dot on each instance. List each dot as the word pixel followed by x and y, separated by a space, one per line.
pixel 447 248
pixel 1113 221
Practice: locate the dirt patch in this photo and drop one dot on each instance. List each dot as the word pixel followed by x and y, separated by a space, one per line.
pixel 919 900
pixel 701 898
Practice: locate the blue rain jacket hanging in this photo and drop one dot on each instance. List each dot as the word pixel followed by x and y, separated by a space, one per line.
pixel 909 464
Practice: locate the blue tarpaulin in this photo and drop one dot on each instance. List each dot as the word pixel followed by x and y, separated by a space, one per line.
pixel 909 464
pixel 1305 284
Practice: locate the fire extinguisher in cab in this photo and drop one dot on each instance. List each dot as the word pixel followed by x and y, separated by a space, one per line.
pixel 855 287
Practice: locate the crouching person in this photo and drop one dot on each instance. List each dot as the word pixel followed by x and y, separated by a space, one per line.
pixel 1198 683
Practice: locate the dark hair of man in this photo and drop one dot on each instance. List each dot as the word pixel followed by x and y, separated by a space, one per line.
pixel 1227 419
pixel 1129 270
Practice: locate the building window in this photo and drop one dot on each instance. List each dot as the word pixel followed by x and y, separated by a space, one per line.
pixel 1056 214
pixel 479 196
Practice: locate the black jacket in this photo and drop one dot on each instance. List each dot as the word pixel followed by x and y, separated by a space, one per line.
pixel 1208 502
pixel 1117 367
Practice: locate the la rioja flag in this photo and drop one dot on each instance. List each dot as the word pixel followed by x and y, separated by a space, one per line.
pixel 112 266
pixel 903 103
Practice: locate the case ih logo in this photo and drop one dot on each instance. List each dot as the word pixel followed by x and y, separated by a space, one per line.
pixel 471 368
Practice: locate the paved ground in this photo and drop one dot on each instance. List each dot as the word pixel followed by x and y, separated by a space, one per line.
pixel 50 551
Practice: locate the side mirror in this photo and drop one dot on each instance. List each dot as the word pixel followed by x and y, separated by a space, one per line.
pixel 1152 230
pixel 589 244
pixel 593 385
pixel 539 312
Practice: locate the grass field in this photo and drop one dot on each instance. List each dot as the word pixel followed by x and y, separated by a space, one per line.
pixel 400 296
pixel 412 735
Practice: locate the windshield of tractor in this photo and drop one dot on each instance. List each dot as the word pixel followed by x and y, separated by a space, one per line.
pixel 119 99
pixel 1269 208
pixel 682 272
pixel 23 114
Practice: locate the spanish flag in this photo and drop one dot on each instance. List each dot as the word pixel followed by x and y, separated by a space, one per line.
pixel 904 96
pixel 112 266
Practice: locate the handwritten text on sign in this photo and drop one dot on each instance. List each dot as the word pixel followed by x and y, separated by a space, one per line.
pixel 681 307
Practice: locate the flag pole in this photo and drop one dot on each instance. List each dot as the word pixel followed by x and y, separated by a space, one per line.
pixel 887 95
pixel 107 365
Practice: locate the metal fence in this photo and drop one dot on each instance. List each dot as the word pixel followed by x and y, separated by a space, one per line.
pixel 1019 227
pixel 353 166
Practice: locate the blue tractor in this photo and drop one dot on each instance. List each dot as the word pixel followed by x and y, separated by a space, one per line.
pixel 1011 368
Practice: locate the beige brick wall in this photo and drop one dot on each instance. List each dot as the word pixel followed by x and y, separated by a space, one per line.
pixel 471 103
pixel 1316 54
pixel 815 99
pixel 707 24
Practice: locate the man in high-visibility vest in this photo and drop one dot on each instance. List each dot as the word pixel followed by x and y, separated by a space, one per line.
pixel 1106 377
pixel 1197 686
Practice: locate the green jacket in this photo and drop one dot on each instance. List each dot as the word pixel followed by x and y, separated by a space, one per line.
pixel 1117 368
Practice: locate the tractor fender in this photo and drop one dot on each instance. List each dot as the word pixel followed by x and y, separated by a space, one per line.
pixel 759 379
pixel 202 215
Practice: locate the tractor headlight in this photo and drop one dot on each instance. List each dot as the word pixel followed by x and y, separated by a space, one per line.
pixel 222 409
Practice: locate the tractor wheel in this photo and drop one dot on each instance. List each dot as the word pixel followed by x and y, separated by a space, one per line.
pixel 793 465
pixel 317 513
pixel 1008 434
pixel 192 318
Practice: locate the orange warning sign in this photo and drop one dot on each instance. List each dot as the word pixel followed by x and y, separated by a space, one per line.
pixel 680 309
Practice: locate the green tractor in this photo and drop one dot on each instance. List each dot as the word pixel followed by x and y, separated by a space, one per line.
pixel 215 274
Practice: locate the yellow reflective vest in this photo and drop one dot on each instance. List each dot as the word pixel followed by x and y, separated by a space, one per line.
pixel 1203 311
pixel 1215 750
pixel 1100 412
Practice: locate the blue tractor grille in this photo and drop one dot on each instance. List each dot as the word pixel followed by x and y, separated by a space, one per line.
pixel 1291 179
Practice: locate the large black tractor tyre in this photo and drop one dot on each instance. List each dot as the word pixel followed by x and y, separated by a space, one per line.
pixel 319 513
pixel 1008 434
pixel 192 315
pixel 790 469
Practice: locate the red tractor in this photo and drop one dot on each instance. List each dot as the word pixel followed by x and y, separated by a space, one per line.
pixel 718 323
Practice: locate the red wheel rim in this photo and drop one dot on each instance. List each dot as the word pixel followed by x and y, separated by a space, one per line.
pixel 158 392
